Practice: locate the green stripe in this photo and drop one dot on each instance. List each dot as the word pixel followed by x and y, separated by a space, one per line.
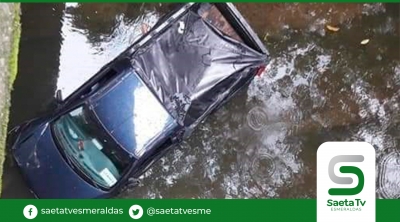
pixel 281 210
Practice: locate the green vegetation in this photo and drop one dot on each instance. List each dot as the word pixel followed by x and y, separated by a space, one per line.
pixel 12 70
pixel 13 60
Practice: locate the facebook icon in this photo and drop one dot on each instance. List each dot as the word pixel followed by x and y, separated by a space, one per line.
pixel 30 212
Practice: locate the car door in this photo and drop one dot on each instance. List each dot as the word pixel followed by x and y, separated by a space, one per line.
pixel 133 181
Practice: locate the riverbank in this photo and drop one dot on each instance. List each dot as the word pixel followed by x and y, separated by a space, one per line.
pixel 10 31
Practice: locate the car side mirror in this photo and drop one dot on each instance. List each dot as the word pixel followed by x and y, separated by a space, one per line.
pixel 59 98
pixel 130 185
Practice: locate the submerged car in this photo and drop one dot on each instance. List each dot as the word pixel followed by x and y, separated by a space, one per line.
pixel 104 136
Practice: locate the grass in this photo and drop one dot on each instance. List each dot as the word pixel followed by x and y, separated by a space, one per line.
pixel 12 70
pixel 13 60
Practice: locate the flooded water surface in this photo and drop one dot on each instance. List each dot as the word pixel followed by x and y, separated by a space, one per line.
pixel 322 84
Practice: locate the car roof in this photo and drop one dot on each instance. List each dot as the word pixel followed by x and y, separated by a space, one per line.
pixel 131 113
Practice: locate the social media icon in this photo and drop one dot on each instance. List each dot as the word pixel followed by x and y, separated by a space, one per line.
pixel 30 212
pixel 135 211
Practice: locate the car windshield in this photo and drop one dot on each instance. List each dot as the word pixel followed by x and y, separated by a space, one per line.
pixel 89 148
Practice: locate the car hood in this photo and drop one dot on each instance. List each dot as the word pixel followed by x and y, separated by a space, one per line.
pixel 47 172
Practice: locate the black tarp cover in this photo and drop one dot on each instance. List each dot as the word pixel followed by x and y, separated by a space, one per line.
pixel 192 65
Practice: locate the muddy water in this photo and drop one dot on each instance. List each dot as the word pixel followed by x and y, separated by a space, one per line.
pixel 320 86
